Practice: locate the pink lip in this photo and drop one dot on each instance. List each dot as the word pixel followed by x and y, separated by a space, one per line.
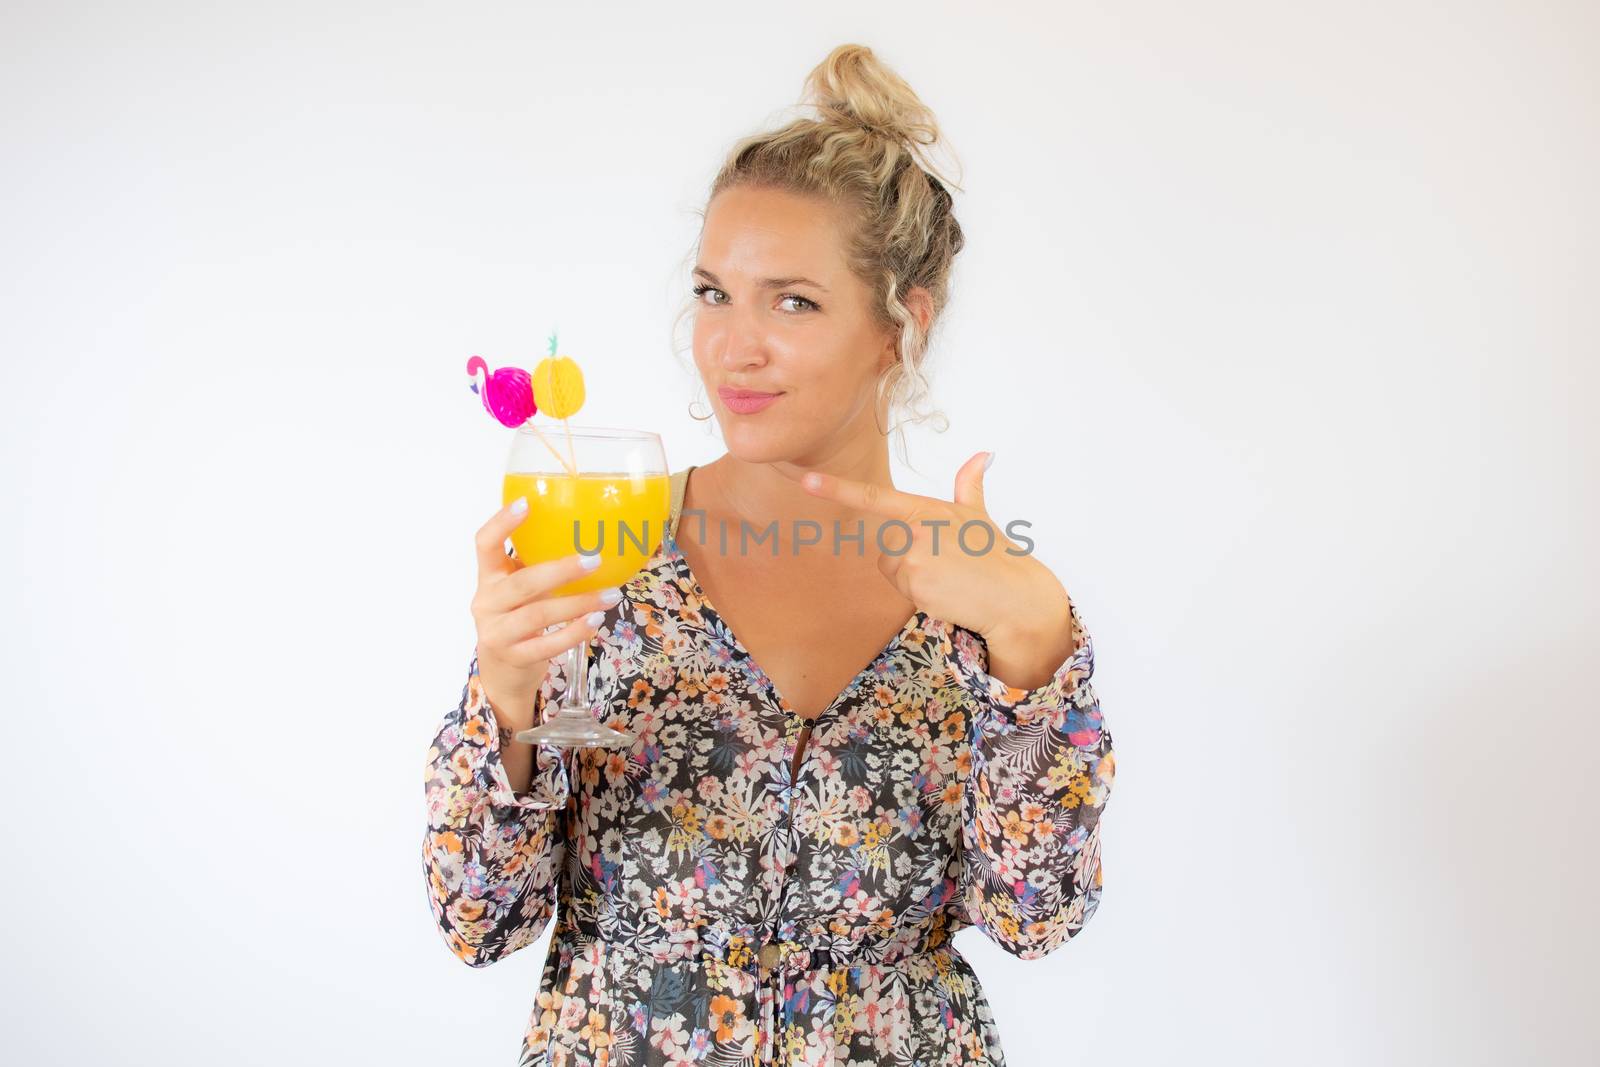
pixel 745 401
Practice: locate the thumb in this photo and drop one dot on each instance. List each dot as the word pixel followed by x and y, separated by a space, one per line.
pixel 491 539
pixel 969 481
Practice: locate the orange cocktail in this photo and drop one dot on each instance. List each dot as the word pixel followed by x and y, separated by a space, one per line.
pixel 621 515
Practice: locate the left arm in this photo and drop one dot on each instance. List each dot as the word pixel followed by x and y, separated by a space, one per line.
pixel 1042 768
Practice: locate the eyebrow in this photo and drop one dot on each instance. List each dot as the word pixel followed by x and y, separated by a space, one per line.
pixel 764 283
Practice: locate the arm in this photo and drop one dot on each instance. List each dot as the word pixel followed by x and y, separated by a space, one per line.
pixel 1042 768
pixel 492 856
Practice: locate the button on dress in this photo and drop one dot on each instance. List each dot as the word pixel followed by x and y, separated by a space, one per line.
pixel 712 904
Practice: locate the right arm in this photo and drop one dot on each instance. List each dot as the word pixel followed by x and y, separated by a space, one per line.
pixel 495 841
pixel 492 853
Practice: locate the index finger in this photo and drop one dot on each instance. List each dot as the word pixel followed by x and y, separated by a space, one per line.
pixel 877 499
pixel 491 538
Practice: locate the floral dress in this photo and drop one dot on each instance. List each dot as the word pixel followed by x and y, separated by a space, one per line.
pixel 719 907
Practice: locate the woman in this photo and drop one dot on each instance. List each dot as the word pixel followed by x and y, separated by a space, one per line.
pixel 773 871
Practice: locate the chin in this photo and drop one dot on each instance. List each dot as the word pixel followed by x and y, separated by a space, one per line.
pixel 751 442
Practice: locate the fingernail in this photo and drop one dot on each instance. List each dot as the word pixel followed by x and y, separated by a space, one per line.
pixel 610 596
pixel 988 461
pixel 811 480
pixel 519 506
pixel 590 560
pixel 594 618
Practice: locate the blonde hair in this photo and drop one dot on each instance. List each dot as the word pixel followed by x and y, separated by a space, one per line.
pixel 865 152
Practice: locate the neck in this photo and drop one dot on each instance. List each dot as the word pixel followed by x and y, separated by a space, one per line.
pixel 760 492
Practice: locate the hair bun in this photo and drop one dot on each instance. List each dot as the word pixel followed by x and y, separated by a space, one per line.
pixel 852 87
pixel 841 117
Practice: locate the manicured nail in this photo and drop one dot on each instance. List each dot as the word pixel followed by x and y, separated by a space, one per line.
pixel 590 560
pixel 610 596
pixel 988 461
pixel 519 506
pixel 594 618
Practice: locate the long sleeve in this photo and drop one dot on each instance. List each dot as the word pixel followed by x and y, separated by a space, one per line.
pixel 1042 768
pixel 492 856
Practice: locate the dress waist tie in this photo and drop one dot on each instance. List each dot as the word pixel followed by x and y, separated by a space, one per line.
pixel 783 971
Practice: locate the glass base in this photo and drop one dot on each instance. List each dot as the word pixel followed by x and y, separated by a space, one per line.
pixel 576 728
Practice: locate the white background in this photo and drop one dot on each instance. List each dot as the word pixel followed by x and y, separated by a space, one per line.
pixel 1281 319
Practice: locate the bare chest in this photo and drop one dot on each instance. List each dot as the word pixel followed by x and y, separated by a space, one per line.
pixel 811 625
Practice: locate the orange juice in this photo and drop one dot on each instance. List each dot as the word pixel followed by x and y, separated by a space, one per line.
pixel 623 515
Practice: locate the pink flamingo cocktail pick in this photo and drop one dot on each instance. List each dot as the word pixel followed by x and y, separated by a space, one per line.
pixel 507 393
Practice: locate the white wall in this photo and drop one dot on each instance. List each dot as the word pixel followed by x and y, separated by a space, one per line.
pixel 1280 317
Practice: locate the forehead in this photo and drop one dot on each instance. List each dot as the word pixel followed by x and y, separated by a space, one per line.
pixel 765 231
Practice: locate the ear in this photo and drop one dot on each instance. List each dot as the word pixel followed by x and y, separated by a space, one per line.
pixel 919 302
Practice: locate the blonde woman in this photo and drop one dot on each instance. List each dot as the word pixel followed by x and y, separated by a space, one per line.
pixel 854 739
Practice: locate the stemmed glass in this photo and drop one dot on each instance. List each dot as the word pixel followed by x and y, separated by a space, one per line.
pixel 589 489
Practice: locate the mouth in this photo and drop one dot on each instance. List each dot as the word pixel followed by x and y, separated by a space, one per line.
pixel 746 401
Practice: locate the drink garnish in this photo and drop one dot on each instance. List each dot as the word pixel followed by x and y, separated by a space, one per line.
pixel 558 390
pixel 507 394
pixel 514 397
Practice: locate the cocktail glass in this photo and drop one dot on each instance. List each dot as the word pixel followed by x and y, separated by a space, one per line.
pixel 616 503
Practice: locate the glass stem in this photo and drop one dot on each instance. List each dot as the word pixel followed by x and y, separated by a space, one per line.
pixel 578 677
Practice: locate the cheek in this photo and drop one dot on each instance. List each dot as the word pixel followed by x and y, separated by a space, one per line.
pixel 704 346
pixel 831 394
pixel 845 374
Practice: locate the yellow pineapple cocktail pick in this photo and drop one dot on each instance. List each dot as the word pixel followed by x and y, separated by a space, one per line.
pixel 558 391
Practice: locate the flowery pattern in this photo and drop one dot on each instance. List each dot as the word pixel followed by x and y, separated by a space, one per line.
pixel 714 909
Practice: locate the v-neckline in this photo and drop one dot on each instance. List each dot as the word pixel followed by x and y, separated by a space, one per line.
pixel 699 593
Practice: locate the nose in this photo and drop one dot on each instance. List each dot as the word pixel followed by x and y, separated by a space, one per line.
pixel 743 345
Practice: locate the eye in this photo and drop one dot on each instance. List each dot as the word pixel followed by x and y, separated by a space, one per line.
pixel 700 291
pixel 812 304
